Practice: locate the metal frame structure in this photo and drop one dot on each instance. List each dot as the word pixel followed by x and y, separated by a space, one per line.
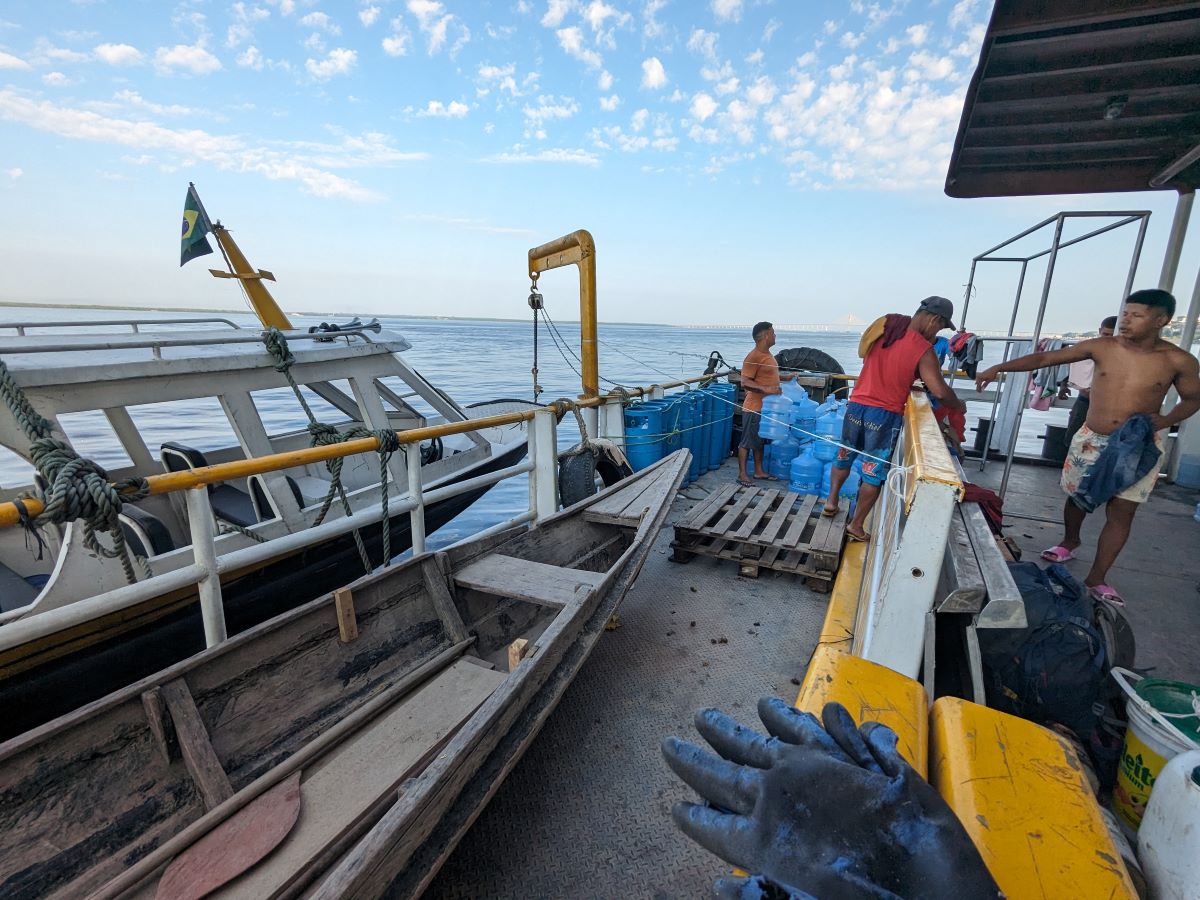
pixel 1142 217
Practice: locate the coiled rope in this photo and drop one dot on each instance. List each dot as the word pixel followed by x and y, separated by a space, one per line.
pixel 324 435
pixel 76 488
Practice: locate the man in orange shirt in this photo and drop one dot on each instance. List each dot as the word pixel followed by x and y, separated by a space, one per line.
pixel 760 376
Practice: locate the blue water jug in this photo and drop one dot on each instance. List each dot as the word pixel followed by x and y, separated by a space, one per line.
pixel 805 477
pixel 829 433
pixel 768 452
pixel 643 440
pixel 826 475
pixel 776 410
pixel 853 481
pixel 804 417
pixel 782 454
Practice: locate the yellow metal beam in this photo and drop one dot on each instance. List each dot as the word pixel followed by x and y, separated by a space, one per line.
pixel 251 280
pixel 837 631
pixel 925 447
pixel 576 248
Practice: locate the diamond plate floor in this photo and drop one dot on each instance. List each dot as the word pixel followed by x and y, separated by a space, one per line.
pixel 586 812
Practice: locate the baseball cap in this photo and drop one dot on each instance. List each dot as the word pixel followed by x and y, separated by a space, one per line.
pixel 939 306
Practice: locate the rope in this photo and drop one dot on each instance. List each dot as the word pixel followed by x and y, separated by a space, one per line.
pixel 76 488
pixel 323 435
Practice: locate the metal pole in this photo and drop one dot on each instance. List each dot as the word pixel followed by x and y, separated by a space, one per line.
pixel 416 518
pixel 1012 326
pixel 1186 433
pixel 1179 226
pixel 543 479
pixel 1133 263
pixel 200 523
pixel 1037 333
pixel 962 319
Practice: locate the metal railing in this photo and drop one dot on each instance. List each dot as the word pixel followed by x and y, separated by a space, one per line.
pixel 208 566
pixel 132 324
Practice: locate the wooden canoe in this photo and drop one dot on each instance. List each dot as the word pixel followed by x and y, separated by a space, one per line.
pixel 340 749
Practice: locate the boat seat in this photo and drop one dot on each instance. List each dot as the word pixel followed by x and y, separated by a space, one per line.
pixel 15 591
pixel 528 580
pixel 229 503
pixel 262 503
pixel 145 532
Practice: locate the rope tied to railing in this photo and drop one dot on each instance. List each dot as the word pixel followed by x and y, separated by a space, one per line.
pixel 323 435
pixel 76 488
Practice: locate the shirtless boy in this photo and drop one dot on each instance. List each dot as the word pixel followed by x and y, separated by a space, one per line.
pixel 1133 372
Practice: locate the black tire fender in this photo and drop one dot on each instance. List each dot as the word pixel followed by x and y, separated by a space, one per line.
pixel 577 475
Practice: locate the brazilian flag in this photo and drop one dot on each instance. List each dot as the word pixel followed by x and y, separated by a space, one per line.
pixel 195 229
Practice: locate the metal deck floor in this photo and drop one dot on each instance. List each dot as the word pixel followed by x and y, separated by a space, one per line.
pixel 586 812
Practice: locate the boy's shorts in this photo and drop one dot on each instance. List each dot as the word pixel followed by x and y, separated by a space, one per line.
pixel 1086 448
pixel 872 433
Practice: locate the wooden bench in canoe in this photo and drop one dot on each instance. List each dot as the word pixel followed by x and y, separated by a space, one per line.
pixel 340 749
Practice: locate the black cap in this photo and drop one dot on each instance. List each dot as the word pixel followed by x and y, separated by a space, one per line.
pixel 938 306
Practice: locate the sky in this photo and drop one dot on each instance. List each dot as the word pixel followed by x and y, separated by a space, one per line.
pixel 735 160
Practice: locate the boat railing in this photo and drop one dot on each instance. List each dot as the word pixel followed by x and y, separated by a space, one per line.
pixel 156 344
pixel 134 325
pixel 205 572
pixel 904 560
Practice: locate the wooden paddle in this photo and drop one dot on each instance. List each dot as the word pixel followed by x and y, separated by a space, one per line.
pixel 233 846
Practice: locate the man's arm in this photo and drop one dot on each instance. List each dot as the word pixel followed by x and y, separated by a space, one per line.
pixel 1033 361
pixel 1187 384
pixel 931 373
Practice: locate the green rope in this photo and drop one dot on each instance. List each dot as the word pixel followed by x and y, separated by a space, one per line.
pixel 76 488
pixel 323 435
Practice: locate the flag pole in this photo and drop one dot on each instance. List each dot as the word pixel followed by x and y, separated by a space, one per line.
pixel 200 203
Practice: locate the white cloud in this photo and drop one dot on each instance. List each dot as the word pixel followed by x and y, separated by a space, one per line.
pixel 605 81
pixel 962 13
pixel 241 29
pixel 638 120
pixel 339 62
pixel 703 43
pixel 610 103
pixel 574 157
pixel 14 173
pixel 190 57
pixel 8 61
pixel 769 30
pixel 286 7
pixel 548 108
pixel 598 12
pixel 830 26
pixel 251 58
pixel 762 92
pixel 45 52
pixel 571 40
pixel 929 67
pixel 322 21
pixel 556 11
pixel 436 109
pixel 56 79
pixel 314 43
pixel 851 40
pixel 917 34
pixel 396 44
pixel 654 76
pixel 119 54
pixel 727 10
pixel 728 86
pixel 703 106
pixel 651 27
pixel 435 24
pixel 502 77
pixel 306 163
pixel 369 15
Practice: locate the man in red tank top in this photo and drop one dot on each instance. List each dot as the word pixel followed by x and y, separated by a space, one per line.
pixel 875 413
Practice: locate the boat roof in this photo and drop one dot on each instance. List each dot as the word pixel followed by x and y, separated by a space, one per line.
pixel 63 359
pixel 1082 96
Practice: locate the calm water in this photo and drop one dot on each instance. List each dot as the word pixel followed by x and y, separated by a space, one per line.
pixel 471 361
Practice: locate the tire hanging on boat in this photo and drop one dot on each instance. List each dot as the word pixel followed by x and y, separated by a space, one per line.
pixel 577 474
pixel 808 359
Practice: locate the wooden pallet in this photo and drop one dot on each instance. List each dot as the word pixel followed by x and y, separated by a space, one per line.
pixel 764 529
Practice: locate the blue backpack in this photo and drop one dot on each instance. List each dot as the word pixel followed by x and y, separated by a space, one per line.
pixel 1054 669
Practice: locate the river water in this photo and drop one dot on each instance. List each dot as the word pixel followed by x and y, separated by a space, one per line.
pixel 471 361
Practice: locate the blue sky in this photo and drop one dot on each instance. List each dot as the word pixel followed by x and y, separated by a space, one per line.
pixel 734 159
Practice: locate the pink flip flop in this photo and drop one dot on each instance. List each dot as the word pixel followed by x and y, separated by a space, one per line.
pixel 1106 593
pixel 1058 554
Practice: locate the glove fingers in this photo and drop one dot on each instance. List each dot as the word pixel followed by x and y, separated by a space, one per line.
pixel 734 741
pixel 755 887
pixel 841 727
pixel 882 741
pixel 727 835
pixel 718 781
pixel 801 728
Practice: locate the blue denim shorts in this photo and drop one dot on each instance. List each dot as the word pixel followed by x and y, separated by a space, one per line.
pixel 871 432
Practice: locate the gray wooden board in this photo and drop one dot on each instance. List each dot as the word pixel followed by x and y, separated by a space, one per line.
pixel 342 785
pixel 755 515
pixel 779 517
pixel 715 501
pixel 195 745
pixel 828 534
pixel 745 496
pixel 524 579
pixel 433 572
pixel 615 503
pixel 791 537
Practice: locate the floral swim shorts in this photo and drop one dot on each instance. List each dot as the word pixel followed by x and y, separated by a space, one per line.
pixel 1085 449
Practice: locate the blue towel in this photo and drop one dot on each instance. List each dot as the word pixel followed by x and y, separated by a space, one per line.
pixel 1126 459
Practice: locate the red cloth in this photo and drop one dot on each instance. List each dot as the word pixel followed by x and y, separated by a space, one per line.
pixel 960 340
pixel 894 327
pixel 888 372
pixel 956 419
pixel 989 502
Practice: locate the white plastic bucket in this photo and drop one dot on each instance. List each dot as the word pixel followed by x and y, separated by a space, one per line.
pixel 1160 727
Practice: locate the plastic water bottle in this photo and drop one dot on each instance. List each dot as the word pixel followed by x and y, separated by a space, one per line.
pixel 828 431
pixel 775 412
pixel 782 454
pixel 826 483
pixel 1169 837
pixel 805 475
pixel 804 416
pixel 852 483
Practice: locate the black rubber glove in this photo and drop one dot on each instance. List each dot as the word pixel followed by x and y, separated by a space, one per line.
pixel 833 812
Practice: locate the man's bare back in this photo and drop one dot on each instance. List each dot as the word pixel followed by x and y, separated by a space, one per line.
pixel 1130 379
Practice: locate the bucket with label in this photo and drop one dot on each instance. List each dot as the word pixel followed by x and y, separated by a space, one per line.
pixel 1164 721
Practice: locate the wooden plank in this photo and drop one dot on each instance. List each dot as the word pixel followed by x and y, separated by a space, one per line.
pixel 613 504
pixel 435 570
pixel 796 530
pixel 778 518
pixel 524 579
pixel 517 651
pixel 343 602
pixel 660 486
pixel 348 781
pixel 755 515
pixel 194 744
pixel 160 724
pixel 726 521
pixel 827 537
pixel 698 516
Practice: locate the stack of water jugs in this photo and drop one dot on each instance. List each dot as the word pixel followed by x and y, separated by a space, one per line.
pixel 700 420
pixel 812 447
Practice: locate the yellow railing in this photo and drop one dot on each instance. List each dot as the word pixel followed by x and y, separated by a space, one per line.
pixel 180 481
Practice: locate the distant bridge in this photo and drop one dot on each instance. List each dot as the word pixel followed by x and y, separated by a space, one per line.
pixel 825 327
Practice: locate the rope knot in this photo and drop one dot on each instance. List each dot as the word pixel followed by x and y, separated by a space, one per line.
pixel 277 346
pixel 323 434
pixel 389 441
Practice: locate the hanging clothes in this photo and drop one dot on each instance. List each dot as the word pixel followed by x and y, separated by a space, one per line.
pixel 1043 386
pixel 967 350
